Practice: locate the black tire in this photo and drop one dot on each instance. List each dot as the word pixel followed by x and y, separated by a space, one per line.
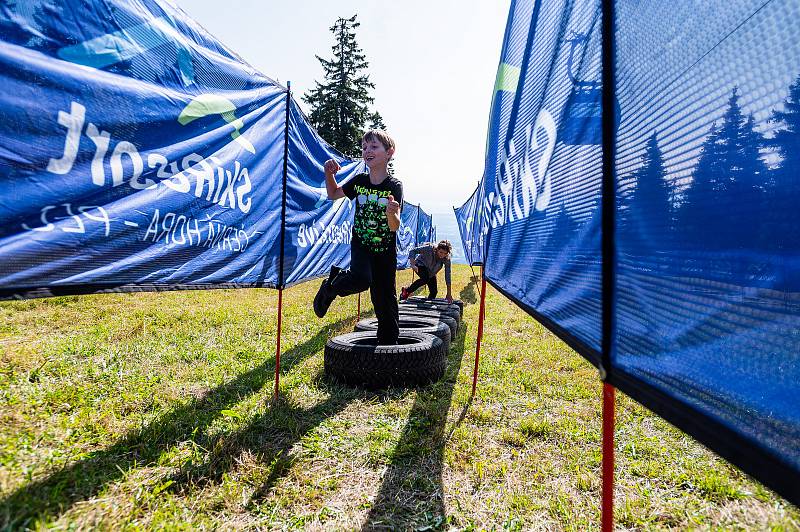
pixel 437 301
pixel 433 303
pixel 407 310
pixel 449 310
pixel 354 359
pixel 426 324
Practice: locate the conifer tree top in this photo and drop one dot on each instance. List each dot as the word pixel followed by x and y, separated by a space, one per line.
pixel 340 104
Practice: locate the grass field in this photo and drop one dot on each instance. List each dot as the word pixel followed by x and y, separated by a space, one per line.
pixel 155 410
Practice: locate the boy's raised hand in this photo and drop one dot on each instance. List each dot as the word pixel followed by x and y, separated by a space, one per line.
pixel 392 207
pixel 331 167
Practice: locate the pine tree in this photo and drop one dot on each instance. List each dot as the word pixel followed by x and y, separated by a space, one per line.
pixel 787 139
pixel 646 218
pixel 564 229
pixel 727 185
pixel 783 189
pixel 376 121
pixel 340 105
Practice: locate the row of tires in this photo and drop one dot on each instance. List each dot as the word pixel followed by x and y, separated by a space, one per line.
pixel 420 356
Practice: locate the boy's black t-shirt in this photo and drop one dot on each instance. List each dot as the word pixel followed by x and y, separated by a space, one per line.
pixel 370 228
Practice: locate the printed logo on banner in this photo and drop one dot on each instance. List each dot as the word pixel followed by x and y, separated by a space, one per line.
pixel 318 190
pixel 482 229
pixel 213 104
pixel 223 183
pixel 227 187
pixel 524 185
pixel 405 237
pixel 316 233
pixel 583 114
pixel 322 195
pixel 121 46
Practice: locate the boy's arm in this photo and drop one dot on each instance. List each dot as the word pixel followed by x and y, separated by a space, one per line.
pixel 393 207
pixel 412 256
pixel 447 281
pixel 334 190
pixel 393 214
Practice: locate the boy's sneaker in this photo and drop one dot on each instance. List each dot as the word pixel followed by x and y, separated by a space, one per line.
pixel 323 299
pixel 404 293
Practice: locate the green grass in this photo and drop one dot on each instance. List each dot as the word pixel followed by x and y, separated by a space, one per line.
pixel 155 410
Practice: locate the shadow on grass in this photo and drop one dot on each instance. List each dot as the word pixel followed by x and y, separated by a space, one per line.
pixel 411 495
pixel 271 437
pixel 49 497
pixel 268 439
pixel 468 294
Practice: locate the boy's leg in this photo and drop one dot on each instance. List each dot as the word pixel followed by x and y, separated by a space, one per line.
pixel 343 283
pixel 423 274
pixel 384 298
pixel 357 279
pixel 433 287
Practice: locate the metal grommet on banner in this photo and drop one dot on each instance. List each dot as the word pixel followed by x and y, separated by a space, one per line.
pixel 602 372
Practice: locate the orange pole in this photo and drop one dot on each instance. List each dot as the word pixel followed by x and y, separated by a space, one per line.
pixel 278 343
pixel 607 512
pixel 481 313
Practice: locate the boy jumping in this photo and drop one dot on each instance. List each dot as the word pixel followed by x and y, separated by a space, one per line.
pixel 373 253
pixel 426 260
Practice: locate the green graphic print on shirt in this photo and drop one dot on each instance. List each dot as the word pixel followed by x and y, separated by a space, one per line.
pixel 370 226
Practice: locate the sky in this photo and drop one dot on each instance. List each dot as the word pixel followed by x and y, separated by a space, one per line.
pixel 433 64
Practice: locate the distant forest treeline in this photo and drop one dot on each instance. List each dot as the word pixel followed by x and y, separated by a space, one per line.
pixel 738 220
pixel 735 199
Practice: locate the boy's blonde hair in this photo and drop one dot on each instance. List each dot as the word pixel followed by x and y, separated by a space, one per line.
pixel 445 244
pixel 379 135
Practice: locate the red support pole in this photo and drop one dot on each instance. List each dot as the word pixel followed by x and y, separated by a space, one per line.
pixel 607 515
pixel 281 278
pixel 481 313
pixel 358 312
pixel 278 343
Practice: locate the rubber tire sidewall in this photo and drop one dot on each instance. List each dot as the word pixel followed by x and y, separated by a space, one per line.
pixel 431 325
pixel 451 322
pixel 437 301
pixel 375 367
pixel 449 310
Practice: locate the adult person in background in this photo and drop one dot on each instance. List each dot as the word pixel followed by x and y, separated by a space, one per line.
pixel 426 260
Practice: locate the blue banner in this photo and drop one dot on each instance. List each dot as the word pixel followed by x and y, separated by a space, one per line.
pixel 424 227
pixel 705 293
pixel 541 187
pixel 318 230
pixel 473 224
pixel 138 153
pixel 407 234
pixel 707 236
pixel 143 153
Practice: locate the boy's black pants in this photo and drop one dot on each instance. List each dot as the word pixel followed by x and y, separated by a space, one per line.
pixel 376 272
pixel 425 277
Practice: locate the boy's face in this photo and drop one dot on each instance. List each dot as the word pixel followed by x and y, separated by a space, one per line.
pixel 441 253
pixel 375 155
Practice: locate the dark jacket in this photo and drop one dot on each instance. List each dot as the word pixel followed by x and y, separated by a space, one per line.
pixel 425 255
